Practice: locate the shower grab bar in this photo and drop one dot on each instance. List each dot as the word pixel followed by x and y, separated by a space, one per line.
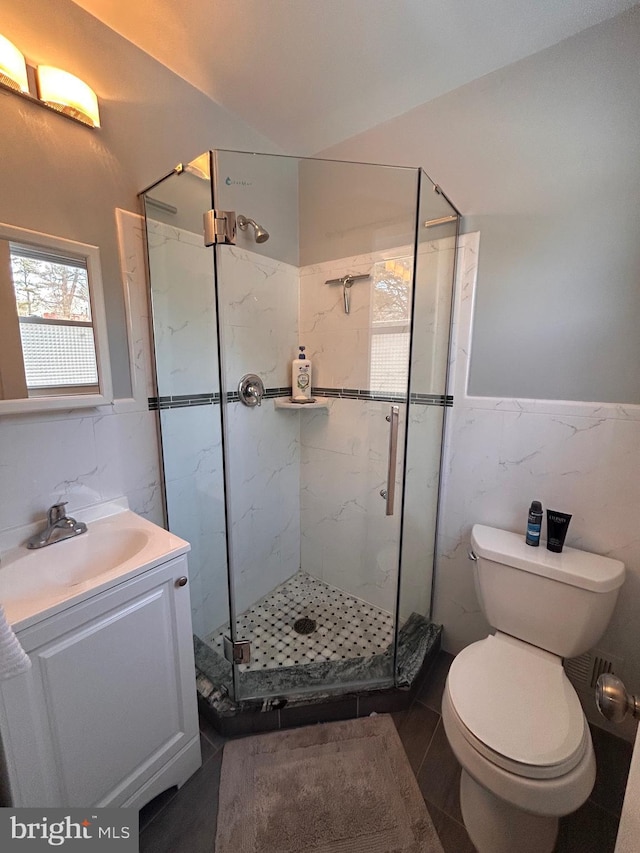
pixel 390 492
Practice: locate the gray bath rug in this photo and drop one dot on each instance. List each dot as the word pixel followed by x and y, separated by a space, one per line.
pixel 342 787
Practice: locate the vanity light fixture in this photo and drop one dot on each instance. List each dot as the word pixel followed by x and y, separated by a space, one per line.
pixel 13 67
pixel 57 89
pixel 68 94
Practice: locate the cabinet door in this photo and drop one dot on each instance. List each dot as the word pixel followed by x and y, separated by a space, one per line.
pixel 116 686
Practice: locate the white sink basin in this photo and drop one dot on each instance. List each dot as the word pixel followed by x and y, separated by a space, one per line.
pixel 35 583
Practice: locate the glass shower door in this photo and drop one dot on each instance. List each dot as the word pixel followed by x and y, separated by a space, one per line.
pixel 434 279
pixel 314 492
pixel 187 378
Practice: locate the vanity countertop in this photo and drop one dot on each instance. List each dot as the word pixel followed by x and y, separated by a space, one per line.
pixel 35 584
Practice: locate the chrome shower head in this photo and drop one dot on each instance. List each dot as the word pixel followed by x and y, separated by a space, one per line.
pixel 261 234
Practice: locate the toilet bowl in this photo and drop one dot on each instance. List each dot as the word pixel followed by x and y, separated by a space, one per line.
pixel 528 757
pixel 511 716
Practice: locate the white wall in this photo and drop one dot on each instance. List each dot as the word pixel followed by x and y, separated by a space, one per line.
pixel 542 157
pixel 348 209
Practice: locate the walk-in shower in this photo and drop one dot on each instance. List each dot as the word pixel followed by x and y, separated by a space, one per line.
pixel 312 526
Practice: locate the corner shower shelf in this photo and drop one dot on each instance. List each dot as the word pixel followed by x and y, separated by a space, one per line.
pixel 285 403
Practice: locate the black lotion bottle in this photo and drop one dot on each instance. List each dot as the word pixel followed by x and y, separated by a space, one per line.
pixel 534 524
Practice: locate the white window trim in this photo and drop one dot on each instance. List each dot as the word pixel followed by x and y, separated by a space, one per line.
pixel 91 255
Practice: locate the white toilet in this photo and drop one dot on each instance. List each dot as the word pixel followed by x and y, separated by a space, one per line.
pixel 511 715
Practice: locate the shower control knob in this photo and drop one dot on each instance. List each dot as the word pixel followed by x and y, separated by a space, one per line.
pixel 613 700
pixel 383 493
pixel 251 390
pixel 182 581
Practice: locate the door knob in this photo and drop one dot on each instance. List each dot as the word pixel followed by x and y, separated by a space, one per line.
pixel 613 700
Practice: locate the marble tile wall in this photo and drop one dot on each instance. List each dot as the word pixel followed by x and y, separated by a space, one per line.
pixel 80 458
pixel 192 453
pixel 338 344
pixel 580 458
pixel 347 540
pixel 259 301
pixel 260 335
pixel 184 312
pixel 264 466
pixel 420 509
pixel 259 297
pixel 184 318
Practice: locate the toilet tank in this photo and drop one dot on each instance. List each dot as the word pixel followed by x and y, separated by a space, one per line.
pixel 558 602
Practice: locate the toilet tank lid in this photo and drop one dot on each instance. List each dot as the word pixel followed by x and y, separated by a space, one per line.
pixel 577 568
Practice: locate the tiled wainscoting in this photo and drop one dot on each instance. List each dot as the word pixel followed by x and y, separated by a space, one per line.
pixel 185 821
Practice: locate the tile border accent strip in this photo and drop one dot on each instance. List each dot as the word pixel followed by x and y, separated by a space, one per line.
pixel 361 394
pixel 180 401
pixel 358 394
pixel 432 399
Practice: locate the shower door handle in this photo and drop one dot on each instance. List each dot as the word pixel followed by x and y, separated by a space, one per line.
pixel 390 492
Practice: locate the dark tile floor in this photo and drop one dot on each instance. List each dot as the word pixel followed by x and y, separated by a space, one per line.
pixel 184 821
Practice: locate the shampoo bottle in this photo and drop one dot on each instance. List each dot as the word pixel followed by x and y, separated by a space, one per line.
pixel 301 378
pixel 534 524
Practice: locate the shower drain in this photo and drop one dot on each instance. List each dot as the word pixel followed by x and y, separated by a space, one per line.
pixel 304 625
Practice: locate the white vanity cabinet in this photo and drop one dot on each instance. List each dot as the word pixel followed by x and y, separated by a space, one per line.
pixel 107 714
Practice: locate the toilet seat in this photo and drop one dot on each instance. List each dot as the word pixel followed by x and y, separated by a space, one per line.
pixel 552 797
pixel 514 704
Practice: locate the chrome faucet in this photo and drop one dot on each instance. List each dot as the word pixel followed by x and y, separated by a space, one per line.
pixel 60 526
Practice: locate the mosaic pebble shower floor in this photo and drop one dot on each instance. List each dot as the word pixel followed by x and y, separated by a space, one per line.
pixel 346 627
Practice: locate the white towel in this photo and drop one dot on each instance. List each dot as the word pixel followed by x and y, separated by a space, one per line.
pixel 13 658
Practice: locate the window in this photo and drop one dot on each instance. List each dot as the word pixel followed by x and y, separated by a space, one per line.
pixel 53 331
pixel 54 312
pixel 391 325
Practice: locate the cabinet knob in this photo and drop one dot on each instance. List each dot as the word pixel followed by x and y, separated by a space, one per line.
pixel 181 581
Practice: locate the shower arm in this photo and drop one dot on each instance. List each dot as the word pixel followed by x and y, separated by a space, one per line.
pixel 347 281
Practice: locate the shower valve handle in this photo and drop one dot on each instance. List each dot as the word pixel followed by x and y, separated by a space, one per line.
pixel 251 390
